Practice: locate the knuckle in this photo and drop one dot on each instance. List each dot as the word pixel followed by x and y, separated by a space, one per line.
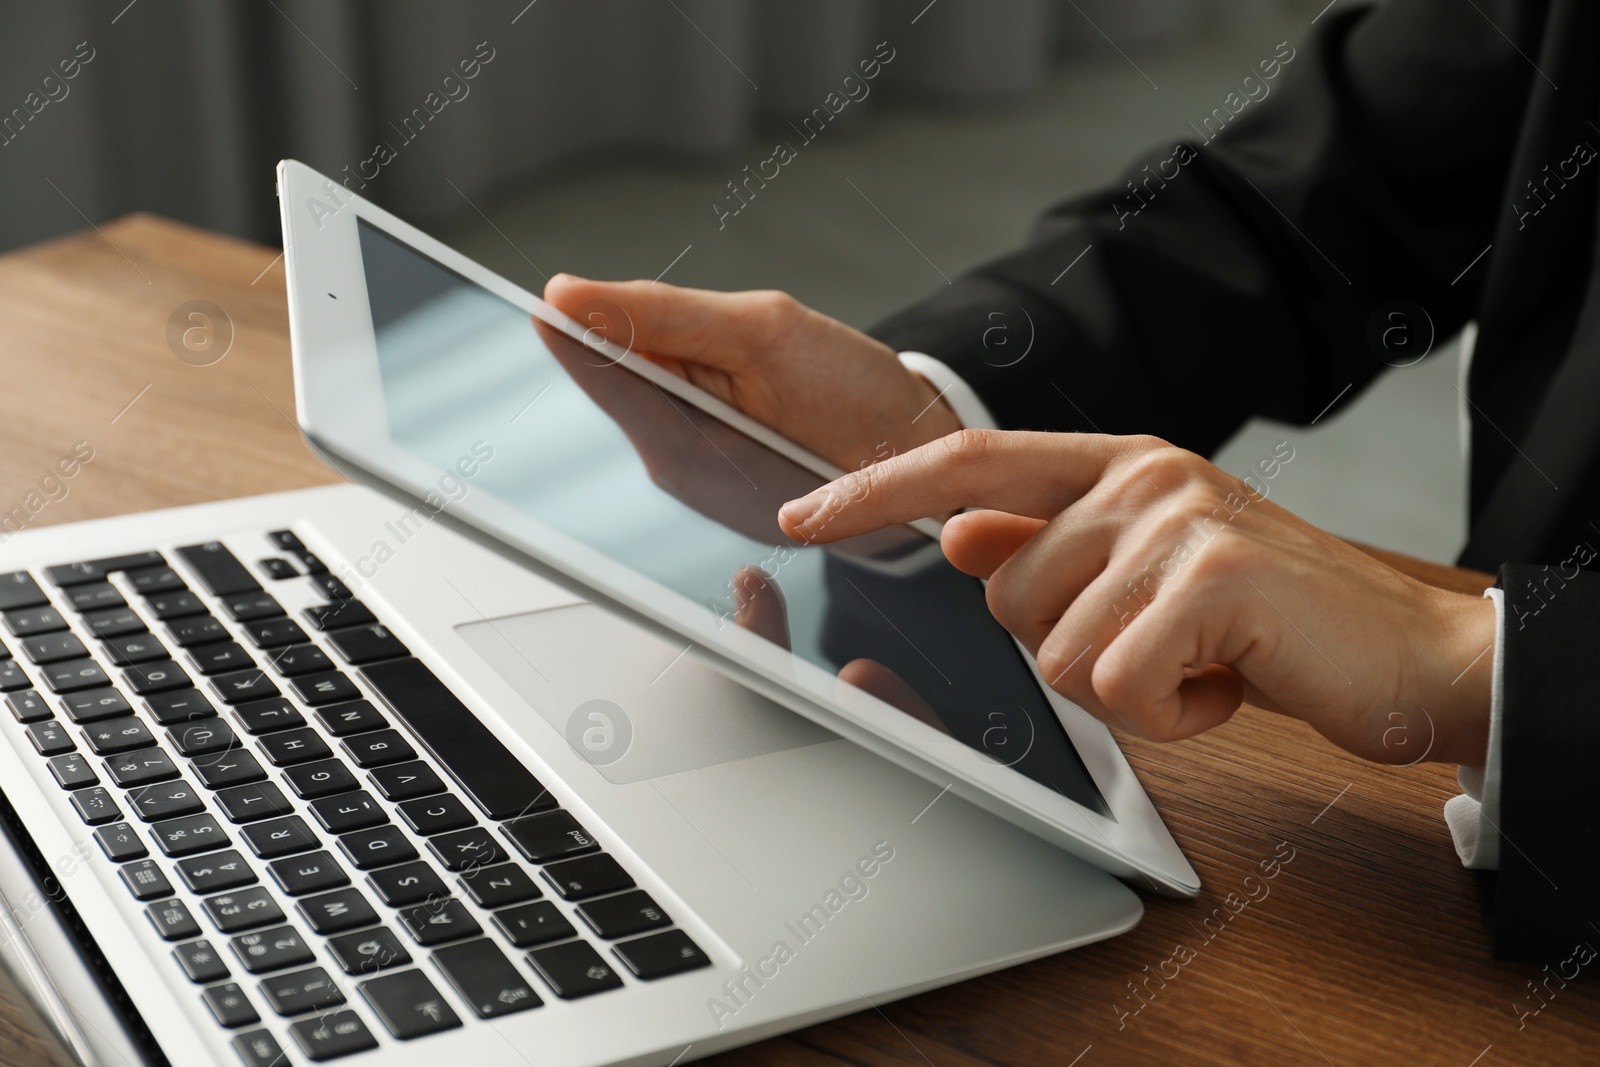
pixel 967 447
pixel 774 305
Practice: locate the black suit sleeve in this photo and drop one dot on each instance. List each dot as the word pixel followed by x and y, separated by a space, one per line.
pixel 1546 894
pixel 1371 171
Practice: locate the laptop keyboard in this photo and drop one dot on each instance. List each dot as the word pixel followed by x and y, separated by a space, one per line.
pixel 281 828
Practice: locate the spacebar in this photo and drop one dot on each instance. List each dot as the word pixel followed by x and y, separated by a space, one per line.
pixel 495 779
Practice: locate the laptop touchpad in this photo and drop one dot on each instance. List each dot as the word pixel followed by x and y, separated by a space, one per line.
pixel 633 705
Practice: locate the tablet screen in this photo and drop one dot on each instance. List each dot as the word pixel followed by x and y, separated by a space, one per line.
pixel 585 446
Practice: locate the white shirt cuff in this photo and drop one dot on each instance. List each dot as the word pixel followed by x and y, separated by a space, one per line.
pixel 971 411
pixel 1474 817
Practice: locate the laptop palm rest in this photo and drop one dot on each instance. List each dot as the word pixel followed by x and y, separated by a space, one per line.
pixel 633 705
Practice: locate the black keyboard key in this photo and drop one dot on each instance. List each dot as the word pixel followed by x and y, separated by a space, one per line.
pixel 95 570
pixel 72 771
pixel 408 1005
pixel 271 950
pixel 13 677
pixel 147 581
pixel 129 649
pixel 51 738
pixel 265 716
pixel 25 622
pixel 287 540
pixel 495 779
pixel 440 920
pixel 120 842
pixel 339 614
pixel 189 835
pixel 144 767
pixel 196 630
pixel 348 811
pixel 249 607
pixel 174 605
pixel 280 837
pixel 538 923
pixel 92 705
pixel 111 736
pixel 411 883
pixel 406 781
pixel 274 633
pixel 355 717
pixel 172 920
pixel 73 675
pixel 325 687
pixel 624 915
pixel 313 566
pixel 289 747
pixel 219 569
pixel 295 660
pixel 331 1035
pixel 258 1048
pixel 19 590
pixel 436 815
pixel 51 648
pixel 221 769
pixel 179 705
pixel 243 910
pixel 96 805
pixel 157 676
pixel 167 800
pixel 379 846
pixel 656 956
pixel 499 886
pixel 216 872
pixel 378 748
pixel 253 802
pixel 551 835
pixel 144 879
pixel 202 738
pixel 200 962
pixel 587 876
pixel 230 1005
pixel 244 686
pixel 325 583
pixel 336 912
pixel 112 622
pixel 574 970
pixel 486 980
pixel 277 568
pixel 361 645
pixel 300 875
pixel 368 951
pixel 312 780
pixel 94 596
pixel 220 657
pixel 298 992
pixel 466 850
pixel 28 706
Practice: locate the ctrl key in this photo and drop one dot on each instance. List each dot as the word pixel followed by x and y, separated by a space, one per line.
pixel 332 1034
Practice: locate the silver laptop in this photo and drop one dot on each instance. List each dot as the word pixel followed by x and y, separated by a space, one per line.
pixel 313 776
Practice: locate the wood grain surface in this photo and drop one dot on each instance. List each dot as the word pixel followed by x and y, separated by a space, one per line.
pixel 1366 947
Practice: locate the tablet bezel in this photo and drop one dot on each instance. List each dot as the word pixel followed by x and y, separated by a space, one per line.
pixel 339 400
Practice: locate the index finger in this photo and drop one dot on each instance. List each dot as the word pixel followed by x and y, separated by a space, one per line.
pixel 718 329
pixel 1032 474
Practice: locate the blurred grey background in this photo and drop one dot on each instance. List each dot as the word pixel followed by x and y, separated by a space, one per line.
pixel 600 137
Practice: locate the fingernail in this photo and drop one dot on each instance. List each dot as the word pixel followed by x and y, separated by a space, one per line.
pixel 797 513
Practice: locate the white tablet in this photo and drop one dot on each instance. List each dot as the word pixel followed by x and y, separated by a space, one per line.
pixel 411 362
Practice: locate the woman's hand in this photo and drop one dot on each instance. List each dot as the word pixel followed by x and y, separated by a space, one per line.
pixel 815 380
pixel 1159 592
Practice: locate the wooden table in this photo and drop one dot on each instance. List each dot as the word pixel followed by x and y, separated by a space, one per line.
pixel 1366 949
